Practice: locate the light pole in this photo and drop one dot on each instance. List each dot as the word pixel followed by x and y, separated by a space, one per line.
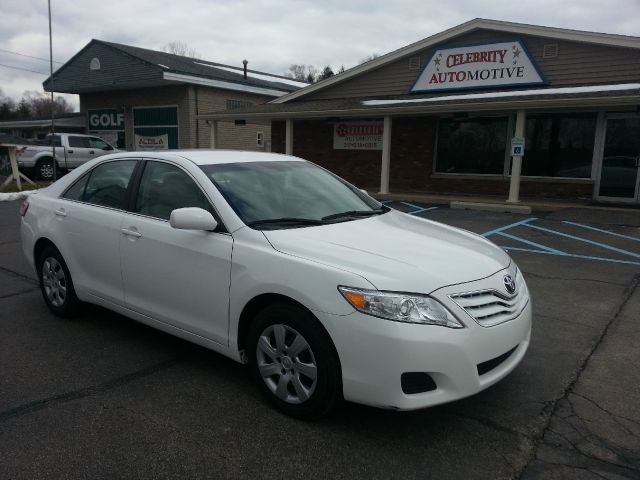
pixel 53 113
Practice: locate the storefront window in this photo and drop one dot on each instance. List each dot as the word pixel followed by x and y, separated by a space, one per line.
pixel 472 145
pixel 559 145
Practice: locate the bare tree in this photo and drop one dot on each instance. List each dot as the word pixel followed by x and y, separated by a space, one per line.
pixel 182 49
pixel 368 58
pixel 38 105
pixel 7 107
pixel 302 73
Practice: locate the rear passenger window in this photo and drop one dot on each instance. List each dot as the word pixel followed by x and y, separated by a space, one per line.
pixel 107 185
pixel 165 187
pixel 78 142
pixel 76 191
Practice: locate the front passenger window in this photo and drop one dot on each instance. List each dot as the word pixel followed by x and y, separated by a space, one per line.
pixel 165 187
pixel 107 185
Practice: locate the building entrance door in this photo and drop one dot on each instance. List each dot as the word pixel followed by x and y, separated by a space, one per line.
pixel 619 178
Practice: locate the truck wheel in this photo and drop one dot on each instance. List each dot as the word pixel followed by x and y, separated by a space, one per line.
pixel 44 169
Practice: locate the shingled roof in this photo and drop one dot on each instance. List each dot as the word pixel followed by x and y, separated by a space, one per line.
pixel 126 66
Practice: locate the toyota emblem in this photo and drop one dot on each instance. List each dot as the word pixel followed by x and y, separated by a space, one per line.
pixel 509 284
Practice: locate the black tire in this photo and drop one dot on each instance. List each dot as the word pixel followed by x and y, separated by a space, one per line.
pixel 326 389
pixel 44 169
pixel 56 284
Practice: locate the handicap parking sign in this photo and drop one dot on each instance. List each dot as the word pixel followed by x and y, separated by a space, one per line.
pixel 517 147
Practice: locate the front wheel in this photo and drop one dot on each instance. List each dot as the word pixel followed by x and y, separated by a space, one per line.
pixel 56 284
pixel 294 362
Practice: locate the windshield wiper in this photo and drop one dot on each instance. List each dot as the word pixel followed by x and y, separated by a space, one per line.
pixel 353 213
pixel 285 221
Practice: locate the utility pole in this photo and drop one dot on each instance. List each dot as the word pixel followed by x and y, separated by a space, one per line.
pixel 53 113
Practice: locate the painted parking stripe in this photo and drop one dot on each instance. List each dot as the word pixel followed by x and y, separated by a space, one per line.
pixel 507 227
pixel 585 240
pixel 533 244
pixel 572 255
pixel 601 230
pixel 418 209
pixel 421 210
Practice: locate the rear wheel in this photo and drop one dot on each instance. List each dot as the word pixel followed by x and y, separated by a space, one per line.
pixel 294 362
pixel 56 284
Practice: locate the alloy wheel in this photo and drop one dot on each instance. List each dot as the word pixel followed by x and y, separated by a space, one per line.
pixel 54 281
pixel 286 364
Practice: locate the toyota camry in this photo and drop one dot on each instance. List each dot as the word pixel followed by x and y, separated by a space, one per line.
pixel 275 262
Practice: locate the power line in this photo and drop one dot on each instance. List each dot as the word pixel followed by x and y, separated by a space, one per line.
pixel 28 56
pixel 23 69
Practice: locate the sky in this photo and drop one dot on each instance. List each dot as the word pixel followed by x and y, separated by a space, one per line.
pixel 270 34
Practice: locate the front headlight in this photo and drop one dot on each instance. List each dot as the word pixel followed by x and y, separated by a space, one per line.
pixel 410 308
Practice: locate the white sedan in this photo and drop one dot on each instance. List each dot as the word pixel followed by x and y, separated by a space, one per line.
pixel 276 262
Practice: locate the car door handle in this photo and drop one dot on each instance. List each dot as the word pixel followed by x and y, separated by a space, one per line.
pixel 60 212
pixel 69 151
pixel 131 233
pixel 91 152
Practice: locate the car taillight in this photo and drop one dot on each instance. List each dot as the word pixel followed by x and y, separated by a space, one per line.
pixel 24 207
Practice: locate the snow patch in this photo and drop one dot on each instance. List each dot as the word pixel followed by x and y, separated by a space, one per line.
pixel 514 93
pixel 163 66
pixel 11 196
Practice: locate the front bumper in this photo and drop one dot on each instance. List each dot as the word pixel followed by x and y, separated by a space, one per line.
pixel 374 353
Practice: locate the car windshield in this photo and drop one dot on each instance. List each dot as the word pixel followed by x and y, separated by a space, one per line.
pixel 289 194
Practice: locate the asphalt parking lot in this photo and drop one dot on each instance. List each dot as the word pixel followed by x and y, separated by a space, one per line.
pixel 104 397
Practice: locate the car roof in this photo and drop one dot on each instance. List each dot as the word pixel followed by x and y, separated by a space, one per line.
pixel 209 157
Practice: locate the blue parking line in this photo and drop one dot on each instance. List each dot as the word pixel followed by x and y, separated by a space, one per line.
pixel 418 209
pixel 601 230
pixel 580 239
pixel 584 257
pixel 533 244
pixel 507 227
pixel 421 210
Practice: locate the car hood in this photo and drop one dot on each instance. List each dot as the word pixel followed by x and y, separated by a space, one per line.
pixel 396 251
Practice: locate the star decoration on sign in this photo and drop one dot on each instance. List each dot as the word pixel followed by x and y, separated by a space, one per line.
pixel 516 54
pixel 436 61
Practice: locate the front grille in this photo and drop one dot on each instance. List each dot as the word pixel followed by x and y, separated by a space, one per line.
pixel 490 307
pixel 486 367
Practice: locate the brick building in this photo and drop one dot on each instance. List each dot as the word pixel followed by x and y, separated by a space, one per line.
pixel 487 107
pixel 145 99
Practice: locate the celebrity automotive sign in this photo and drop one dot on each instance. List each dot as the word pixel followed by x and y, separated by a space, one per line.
pixel 358 136
pixel 478 66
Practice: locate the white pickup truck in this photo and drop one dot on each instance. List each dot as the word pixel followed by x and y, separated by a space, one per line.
pixel 72 150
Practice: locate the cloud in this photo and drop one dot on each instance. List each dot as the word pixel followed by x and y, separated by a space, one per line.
pixel 272 34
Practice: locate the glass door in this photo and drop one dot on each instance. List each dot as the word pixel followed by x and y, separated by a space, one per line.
pixel 620 170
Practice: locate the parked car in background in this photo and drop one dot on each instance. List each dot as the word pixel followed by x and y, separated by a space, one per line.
pixel 276 262
pixel 71 151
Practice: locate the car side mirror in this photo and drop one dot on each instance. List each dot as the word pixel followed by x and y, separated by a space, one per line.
pixel 192 218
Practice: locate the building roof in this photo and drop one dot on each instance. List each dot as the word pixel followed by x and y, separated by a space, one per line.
pixel 157 69
pixel 531 99
pixel 462 29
